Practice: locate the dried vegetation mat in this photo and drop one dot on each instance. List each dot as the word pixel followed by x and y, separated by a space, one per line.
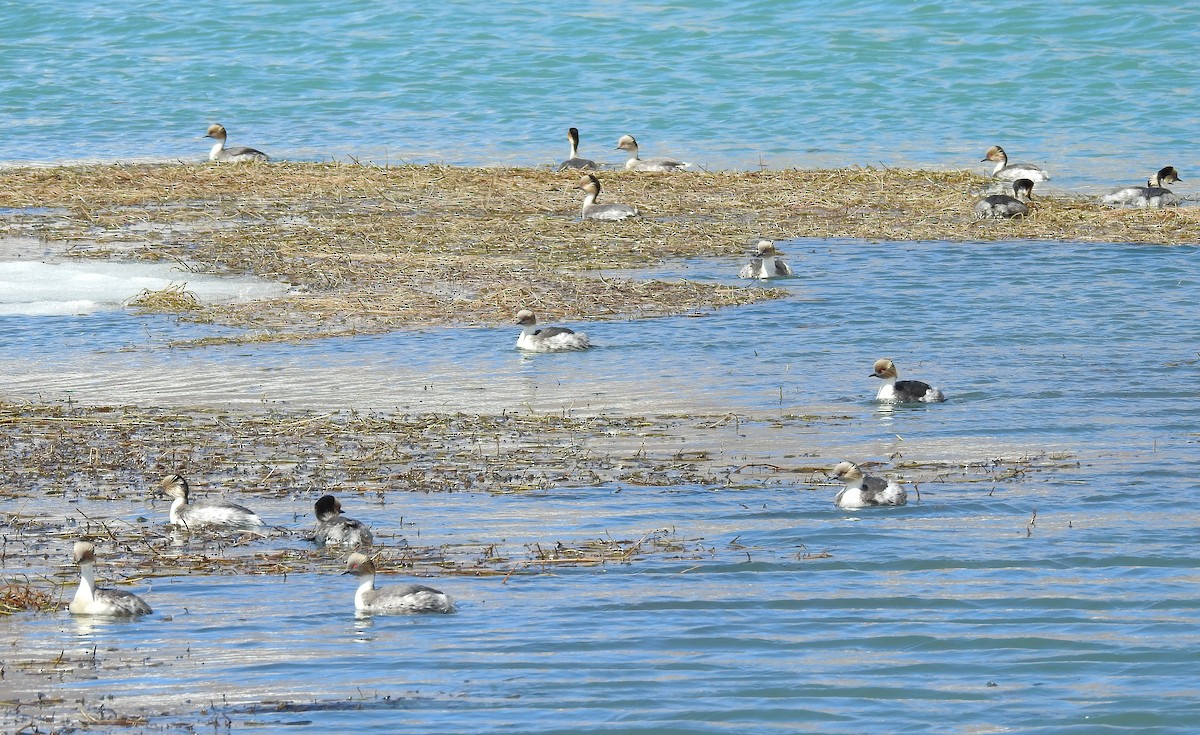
pixel 372 249
pixel 70 472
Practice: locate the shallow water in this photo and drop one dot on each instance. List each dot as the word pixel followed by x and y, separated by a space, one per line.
pixel 946 612
pixel 1093 91
pixel 1060 600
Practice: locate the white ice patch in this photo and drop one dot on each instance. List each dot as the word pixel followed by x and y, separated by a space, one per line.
pixel 38 288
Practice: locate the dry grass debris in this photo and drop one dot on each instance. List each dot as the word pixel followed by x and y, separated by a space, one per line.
pixel 377 248
pixel 57 459
pixel 173 298
pixel 23 596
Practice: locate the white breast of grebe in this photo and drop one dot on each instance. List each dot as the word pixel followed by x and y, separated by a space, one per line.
pixel 1000 206
pixel 1004 205
pixel 1012 172
pixel 590 185
pixel 902 391
pixel 1152 195
pixel 1021 171
pixel 574 161
pixel 553 339
pixel 608 212
pixel 335 529
pixel 766 263
pixel 91 600
pixel 342 531
pixel 862 490
pixel 215 513
pixel 236 154
pixel 393 599
pixel 628 144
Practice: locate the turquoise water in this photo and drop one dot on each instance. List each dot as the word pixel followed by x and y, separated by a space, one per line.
pixel 1098 92
pixel 1061 599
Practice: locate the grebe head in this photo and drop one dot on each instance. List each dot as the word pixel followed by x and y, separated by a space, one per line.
pixel 216 131
pixel 573 136
pixel 847 472
pixel 359 565
pixel 884 368
pixel 995 153
pixel 1023 189
pixel 175 486
pixel 1166 175
pixel 526 318
pixel 590 185
pixel 327 506
pixel 766 247
pixel 627 143
pixel 84 553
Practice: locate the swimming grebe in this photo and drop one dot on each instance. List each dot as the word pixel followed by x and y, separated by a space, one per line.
pixel 405 598
pixel 548 339
pixel 208 513
pixel 630 146
pixel 575 161
pixel 234 155
pixel 766 263
pixel 90 600
pixel 902 391
pixel 864 490
pixel 1012 172
pixel 1152 195
pixel 610 212
pixel 1003 205
pixel 333 528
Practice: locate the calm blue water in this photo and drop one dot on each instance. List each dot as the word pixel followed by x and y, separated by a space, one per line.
pixel 952 614
pixel 1098 92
